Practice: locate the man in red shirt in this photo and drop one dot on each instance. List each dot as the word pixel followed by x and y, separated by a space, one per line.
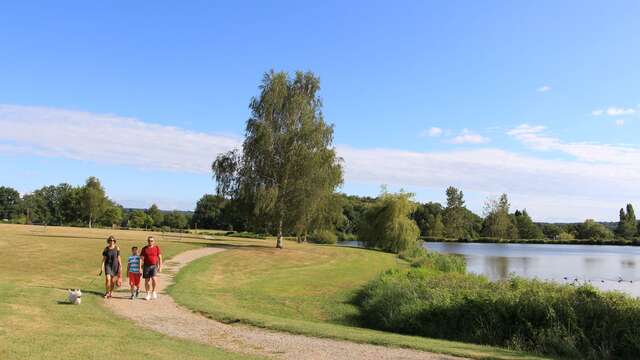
pixel 151 266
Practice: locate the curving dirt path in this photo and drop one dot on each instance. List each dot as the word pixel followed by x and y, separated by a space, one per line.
pixel 165 316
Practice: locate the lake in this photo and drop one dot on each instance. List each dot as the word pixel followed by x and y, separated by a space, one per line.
pixel 605 267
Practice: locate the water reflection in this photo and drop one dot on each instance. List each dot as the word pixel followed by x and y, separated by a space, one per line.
pixel 606 267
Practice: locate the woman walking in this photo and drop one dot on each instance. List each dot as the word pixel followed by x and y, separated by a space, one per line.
pixel 111 264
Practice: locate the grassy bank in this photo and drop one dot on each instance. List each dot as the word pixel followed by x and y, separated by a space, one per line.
pixel 305 289
pixel 558 320
pixel 38 266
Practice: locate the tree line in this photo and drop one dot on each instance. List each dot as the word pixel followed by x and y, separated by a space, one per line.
pixel 86 205
pixel 283 182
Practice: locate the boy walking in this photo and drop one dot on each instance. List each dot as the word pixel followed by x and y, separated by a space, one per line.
pixel 134 271
pixel 151 266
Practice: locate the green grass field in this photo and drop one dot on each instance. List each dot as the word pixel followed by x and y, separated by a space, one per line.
pixel 303 289
pixel 37 266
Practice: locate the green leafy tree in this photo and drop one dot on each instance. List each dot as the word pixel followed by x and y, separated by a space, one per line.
pixel 526 228
pixel 137 219
pixel 497 222
pixel 551 231
pixel 428 216
pixel 592 230
pixel 288 167
pixel 325 219
pixel 208 212
pixel 353 209
pixel 38 208
pixel 93 200
pixel 628 225
pixel 156 215
pixel 10 203
pixel 387 224
pixel 455 218
pixel 112 214
pixel 175 220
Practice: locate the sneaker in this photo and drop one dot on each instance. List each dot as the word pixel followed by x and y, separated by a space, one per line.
pixel 155 296
pixel 137 292
pixel 148 297
pixel 132 297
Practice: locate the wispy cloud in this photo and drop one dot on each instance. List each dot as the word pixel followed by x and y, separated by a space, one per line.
pixel 108 139
pixel 614 111
pixel 577 186
pixel 544 88
pixel 468 137
pixel 619 122
pixel 431 132
pixel 536 138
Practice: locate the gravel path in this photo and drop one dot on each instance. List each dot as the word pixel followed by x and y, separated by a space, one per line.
pixel 165 316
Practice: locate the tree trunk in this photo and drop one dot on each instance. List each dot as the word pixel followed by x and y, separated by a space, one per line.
pixel 304 239
pixel 89 221
pixel 280 240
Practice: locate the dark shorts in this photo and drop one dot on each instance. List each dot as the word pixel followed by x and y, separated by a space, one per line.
pixel 111 269
pixel 149 271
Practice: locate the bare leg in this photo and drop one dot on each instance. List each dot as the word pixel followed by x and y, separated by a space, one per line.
pixel 106 285
pixel 112 285
pixel 153 284
pixel 146 284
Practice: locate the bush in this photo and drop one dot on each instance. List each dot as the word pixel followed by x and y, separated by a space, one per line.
pixel 323 237
pixel 420 257
pixel 531 315
pixel 344 236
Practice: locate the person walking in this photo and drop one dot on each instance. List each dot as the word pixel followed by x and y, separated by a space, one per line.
pixel 151 266
pixel 134 272
pixel 111 265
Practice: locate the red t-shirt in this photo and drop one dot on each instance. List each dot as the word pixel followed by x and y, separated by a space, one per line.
pixel 150 255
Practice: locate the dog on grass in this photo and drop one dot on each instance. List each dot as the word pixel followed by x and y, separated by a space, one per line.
pixel 75 296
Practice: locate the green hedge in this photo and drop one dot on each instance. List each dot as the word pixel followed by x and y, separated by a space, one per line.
pixel 558 320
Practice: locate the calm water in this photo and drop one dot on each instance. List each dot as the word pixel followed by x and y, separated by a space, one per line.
pixel 600 265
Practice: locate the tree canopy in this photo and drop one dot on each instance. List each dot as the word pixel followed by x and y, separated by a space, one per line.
pixel 288 169
pixel 387 224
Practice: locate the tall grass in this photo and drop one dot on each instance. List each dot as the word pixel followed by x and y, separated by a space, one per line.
pixel 420 257
pixel 558 320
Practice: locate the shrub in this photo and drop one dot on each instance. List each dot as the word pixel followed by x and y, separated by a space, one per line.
pixel 563 235
pixel 418 256
pixel 323 237
pixel 344 236
pixel 557 320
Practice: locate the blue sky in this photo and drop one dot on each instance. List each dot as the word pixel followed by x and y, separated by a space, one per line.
pixel 537 99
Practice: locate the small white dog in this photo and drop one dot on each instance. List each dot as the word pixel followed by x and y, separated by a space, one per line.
pixel 75 296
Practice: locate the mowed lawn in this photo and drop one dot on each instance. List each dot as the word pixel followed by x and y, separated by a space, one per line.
pixel 37 265
pixel 305 289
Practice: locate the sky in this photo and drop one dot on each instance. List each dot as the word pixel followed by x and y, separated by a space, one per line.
pixel 539 100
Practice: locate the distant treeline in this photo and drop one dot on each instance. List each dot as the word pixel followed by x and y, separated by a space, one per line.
pixel 88 205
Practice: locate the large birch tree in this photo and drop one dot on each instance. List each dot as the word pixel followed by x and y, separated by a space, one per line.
pixel 288 168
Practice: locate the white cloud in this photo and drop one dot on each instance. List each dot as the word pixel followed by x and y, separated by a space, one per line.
pixel 534 137
pixel 620 122
pixel 594 180
pixel 544 88
pixel 108 139
pixel 431 132
pixel 614 111
pixel 468 137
